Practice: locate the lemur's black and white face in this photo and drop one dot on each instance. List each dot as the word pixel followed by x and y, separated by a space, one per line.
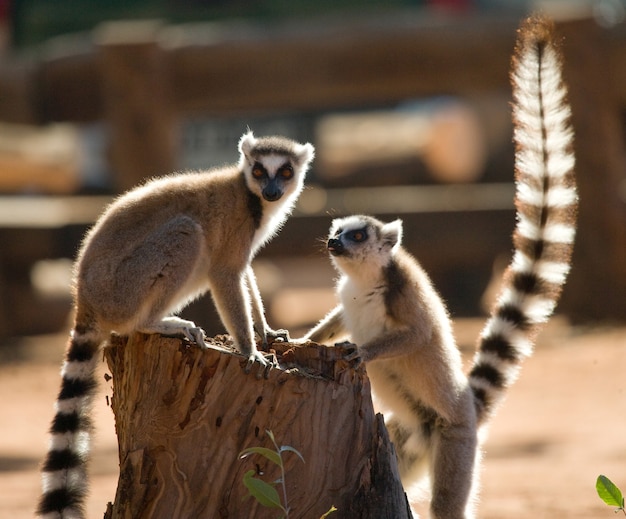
pixel 272 174
pixel 274 166
pixel 363 239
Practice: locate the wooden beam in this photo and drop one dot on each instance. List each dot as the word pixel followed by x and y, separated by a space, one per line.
pixel 596 288
pixel 70 83
pixel 224 69
pixel 615 41
pixel 351 64
pixel 19 101
pixel 282 67
pixel 144 132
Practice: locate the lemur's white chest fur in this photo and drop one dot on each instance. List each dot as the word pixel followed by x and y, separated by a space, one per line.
pixel 364 308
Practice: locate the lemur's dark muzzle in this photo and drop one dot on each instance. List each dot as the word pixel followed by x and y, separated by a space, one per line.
pixel 335 247
pixel 272 191
pixel 271 195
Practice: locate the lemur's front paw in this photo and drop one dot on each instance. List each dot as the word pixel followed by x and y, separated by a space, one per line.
pixel 176 327
pixel 353 353
pixel 195 334
pixel 266 360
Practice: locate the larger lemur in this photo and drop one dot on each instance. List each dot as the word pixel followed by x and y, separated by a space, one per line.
pixel 153 250
pixel 389 308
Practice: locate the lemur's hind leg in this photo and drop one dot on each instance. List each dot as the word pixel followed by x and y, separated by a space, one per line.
pixel 165 267
pixel 453 467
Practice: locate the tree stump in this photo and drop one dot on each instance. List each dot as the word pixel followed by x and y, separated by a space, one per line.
pixel 183 415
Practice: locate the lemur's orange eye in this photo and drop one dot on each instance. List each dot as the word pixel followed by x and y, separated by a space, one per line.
pixel 258 171
pixel 286 172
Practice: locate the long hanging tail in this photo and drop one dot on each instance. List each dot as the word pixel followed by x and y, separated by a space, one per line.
pixel 546 203
pixel 64 475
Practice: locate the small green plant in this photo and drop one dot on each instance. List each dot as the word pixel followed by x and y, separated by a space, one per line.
pixel 610 493
pixel 266 493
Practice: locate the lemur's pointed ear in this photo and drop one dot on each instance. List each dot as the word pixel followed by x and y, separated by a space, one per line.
pixel 305 153
pixel 392 234
pixel 246 143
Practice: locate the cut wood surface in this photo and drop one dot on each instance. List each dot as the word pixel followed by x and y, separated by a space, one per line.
pixel 184 414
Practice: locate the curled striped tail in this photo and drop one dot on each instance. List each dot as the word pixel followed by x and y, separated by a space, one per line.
pixel 64 475
pixel 546 203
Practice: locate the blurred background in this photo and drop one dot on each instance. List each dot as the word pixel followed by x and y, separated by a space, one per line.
pixel 408 105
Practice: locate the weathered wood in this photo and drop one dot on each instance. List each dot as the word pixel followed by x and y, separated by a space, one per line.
pixel 144 132
pixel 70 83
pixel 183 415
pixel 615 40
pixel 226 69
pixel 347 63
pixel 19 96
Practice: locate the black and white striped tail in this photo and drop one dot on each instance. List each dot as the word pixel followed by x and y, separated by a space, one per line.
pixel 546 203
pixel 64 475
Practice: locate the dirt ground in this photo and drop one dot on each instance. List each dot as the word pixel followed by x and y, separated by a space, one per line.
pixel 561 426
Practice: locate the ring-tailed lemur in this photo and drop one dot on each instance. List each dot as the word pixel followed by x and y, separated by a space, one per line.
pixel 154 250
pixel 389 308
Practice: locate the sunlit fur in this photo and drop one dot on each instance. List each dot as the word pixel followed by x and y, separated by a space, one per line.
pixel 389 308
pixel 546 203
pixel 154 250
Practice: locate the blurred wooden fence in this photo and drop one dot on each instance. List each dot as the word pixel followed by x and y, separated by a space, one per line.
pixel 144 78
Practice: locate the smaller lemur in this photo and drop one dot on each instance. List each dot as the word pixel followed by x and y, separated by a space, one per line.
pixel 390 310
pixel 154 250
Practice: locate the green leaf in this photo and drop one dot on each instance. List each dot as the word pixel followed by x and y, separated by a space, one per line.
pixel 271 435
pixel 263 492
pixel 291 449
pixel 271 455
pixel 609 493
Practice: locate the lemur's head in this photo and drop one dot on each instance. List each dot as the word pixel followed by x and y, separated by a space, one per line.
pixel 274 166
pixel 362 240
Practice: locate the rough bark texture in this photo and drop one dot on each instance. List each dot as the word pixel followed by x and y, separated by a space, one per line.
pixel 183 415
